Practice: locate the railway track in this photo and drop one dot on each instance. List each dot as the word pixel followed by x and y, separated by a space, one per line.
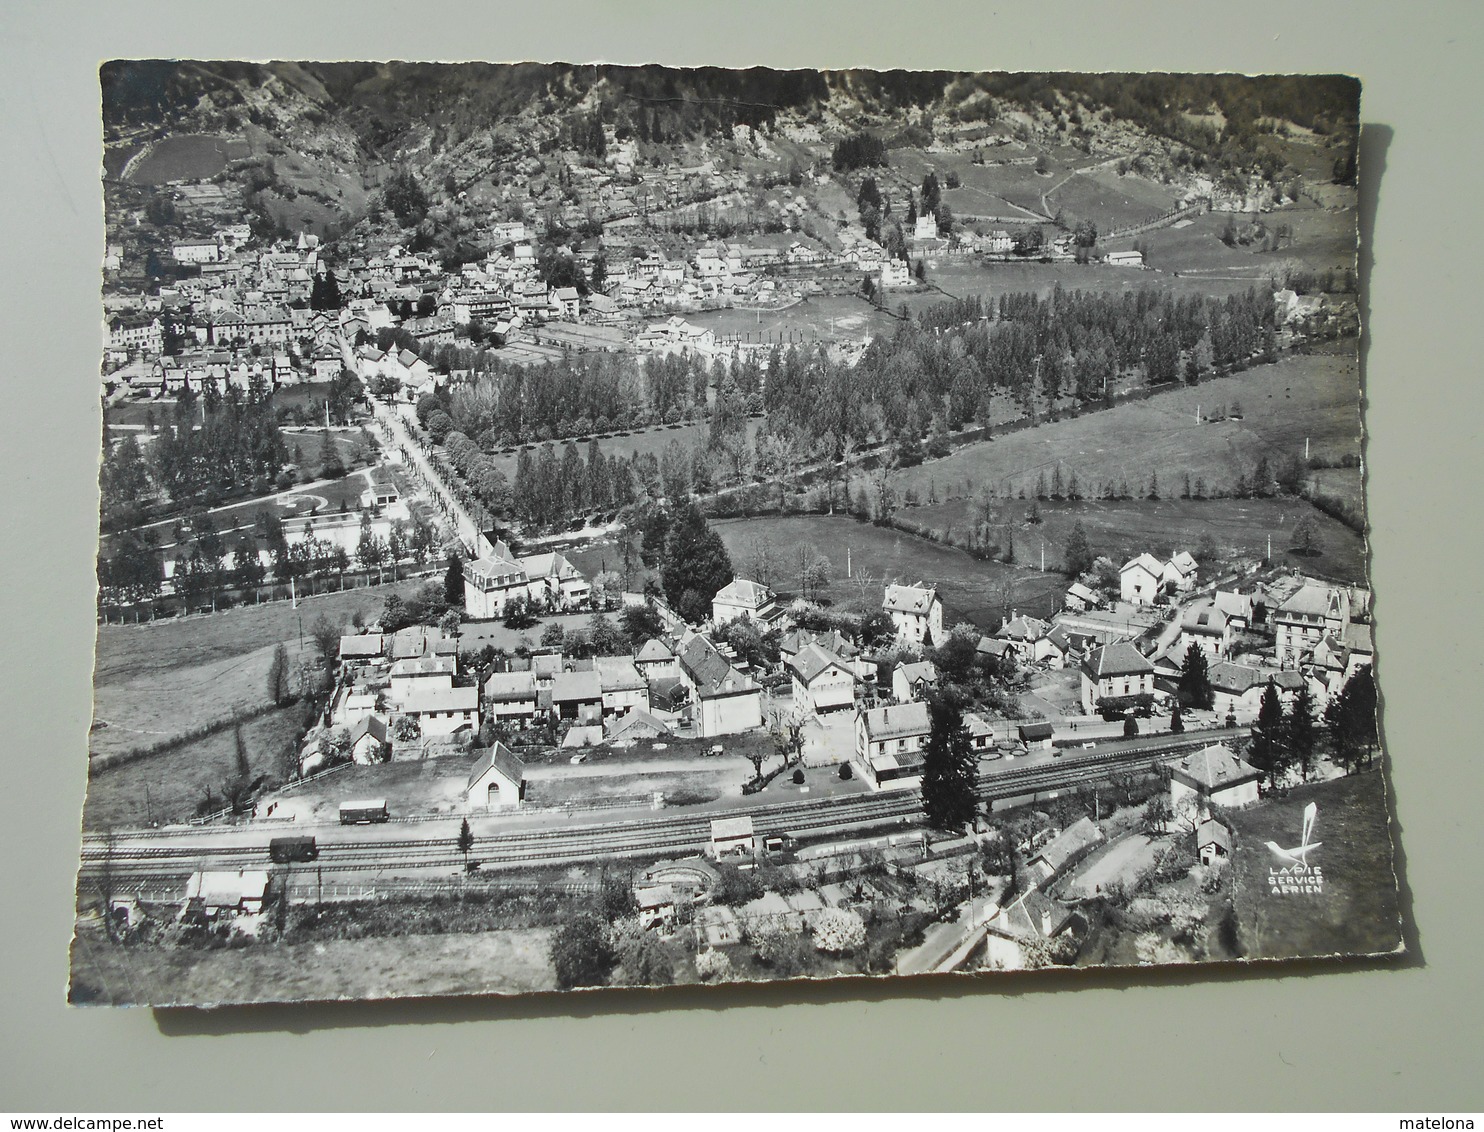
pixel 643 837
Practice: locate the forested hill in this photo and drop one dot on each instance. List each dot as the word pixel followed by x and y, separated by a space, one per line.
pixel 387 105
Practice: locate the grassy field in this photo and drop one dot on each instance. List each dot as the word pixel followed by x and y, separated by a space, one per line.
pixel 1357 912
pixel 651 440
pixel 991 280
pixel 1312 396
pixel 822 317
pixel 503 962
pixel 968 587
pixel 415 786
pixel 1322 239
pixel 167 787
pixel 187 157
pixel 1111 201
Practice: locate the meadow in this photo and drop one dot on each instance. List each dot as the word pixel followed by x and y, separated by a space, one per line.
pixel 1313 397
pixel 969 588
pixel 187 157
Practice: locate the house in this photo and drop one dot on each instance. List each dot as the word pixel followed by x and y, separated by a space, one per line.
pixel 1064 850
pixel 889 744
pixel 1238 688
pixel 443 711
pixel 917 613
pixel 350 704
pixel 1204 625
pixel 421 674
pixel 566 303
pixel 369 740
pixel 623 687
pixel 196 251
pixel 490 584
pixel 1213 841
pixel 1114 673
pixel 220 892
pixel 821 680
pixel 981 734
pixel 1312 613
pixel 732 837
pixel 555 582
pixel 1237 607
pixel 546 667
pixel 656 905
pixel 510 696
pixel 577 695
pixel 1140 579
pixel 1180 572
pixel 727 702
pixel 361 649
pixel 1079 597
pixel 1212 776
pixel 911 681
pixel 1124 259
pixel 636 725
pixel 743 598
pixel 497 780
pixel 656 660
pixel 1036 736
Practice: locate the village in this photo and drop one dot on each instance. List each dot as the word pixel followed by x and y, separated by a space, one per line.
pixel 501 526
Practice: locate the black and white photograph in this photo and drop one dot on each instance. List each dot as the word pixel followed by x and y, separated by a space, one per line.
pixel 581 526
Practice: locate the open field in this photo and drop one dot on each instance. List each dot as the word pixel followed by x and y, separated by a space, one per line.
pixel 1315 396
pixel 125 651
pixel 967 586
pixel 167 787
pixel 820 317
pixel 412 786
pixel 501 962
pixel 1322 239
pixel 1111 201
pixel 156 702
pixel 991 280
pixel 1358 910
pixel 1122 529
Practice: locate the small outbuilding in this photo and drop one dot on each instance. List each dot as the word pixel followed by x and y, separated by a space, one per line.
pixel 732 837
pixel 498 780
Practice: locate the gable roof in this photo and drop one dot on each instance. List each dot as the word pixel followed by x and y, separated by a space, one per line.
pixel 506 687
pixel 811 660
pixel 361 645
pixel 1078 837
pixel 744 592
pixel 1145 561
pixel 654 650
pixel 1118 659
pixel 372 725
pixel 502 760
pixel 636 723
pixel 424 700
pixel 1213 832
pixel 896 720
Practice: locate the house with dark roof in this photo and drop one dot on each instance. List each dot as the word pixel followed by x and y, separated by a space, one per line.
pixel 497 780
pixel 369 740
pixel 577 695
pixel 1065 850
pixel 1312 613
pixel 1212 776
pixel 1115 672
pixel 889 745
pixel 1238 688
pixel 822 681
pixel 1213 841
pixel 1036 736
pixel 726 700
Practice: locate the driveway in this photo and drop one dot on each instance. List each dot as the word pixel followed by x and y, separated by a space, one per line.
pixel 1120 862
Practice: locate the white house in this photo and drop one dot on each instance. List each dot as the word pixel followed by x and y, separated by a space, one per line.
pixel 1206 626
pixel 889 745
pixel 912 680
pixel 821 680
pixel 1124 259
pixel 743 598
pixel 1238 688
pixel 917 613
pixel 443 711
pixel 727 701
pixel 1212 776
pixel 510 696
pixel 1114 672
pixel 497 780
pixel 624 688
pixel 656 660
pixel 732 837
pixel 1306 618
pixel 490 584
pixel 1139 579
pixel 555 582
pixel 421 674
pixel 1180 572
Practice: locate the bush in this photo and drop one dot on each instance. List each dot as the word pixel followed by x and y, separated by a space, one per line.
pixel 798 777
pixel 713 965
pixel 846 774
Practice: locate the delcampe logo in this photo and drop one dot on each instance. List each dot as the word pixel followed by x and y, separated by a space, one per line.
pixel 1297 875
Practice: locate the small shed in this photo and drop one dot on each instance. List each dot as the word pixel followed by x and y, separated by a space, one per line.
pixel 1213 841
pixel 656 906
pixel 1036 736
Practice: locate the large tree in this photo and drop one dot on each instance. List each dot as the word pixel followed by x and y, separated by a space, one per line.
pixel 1351 720
pixel 1268 750
pixel 582 952
pixel 1078 557
pixel 695 564
pixel 948 764
pixel 1194 688
pixel 1301 731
